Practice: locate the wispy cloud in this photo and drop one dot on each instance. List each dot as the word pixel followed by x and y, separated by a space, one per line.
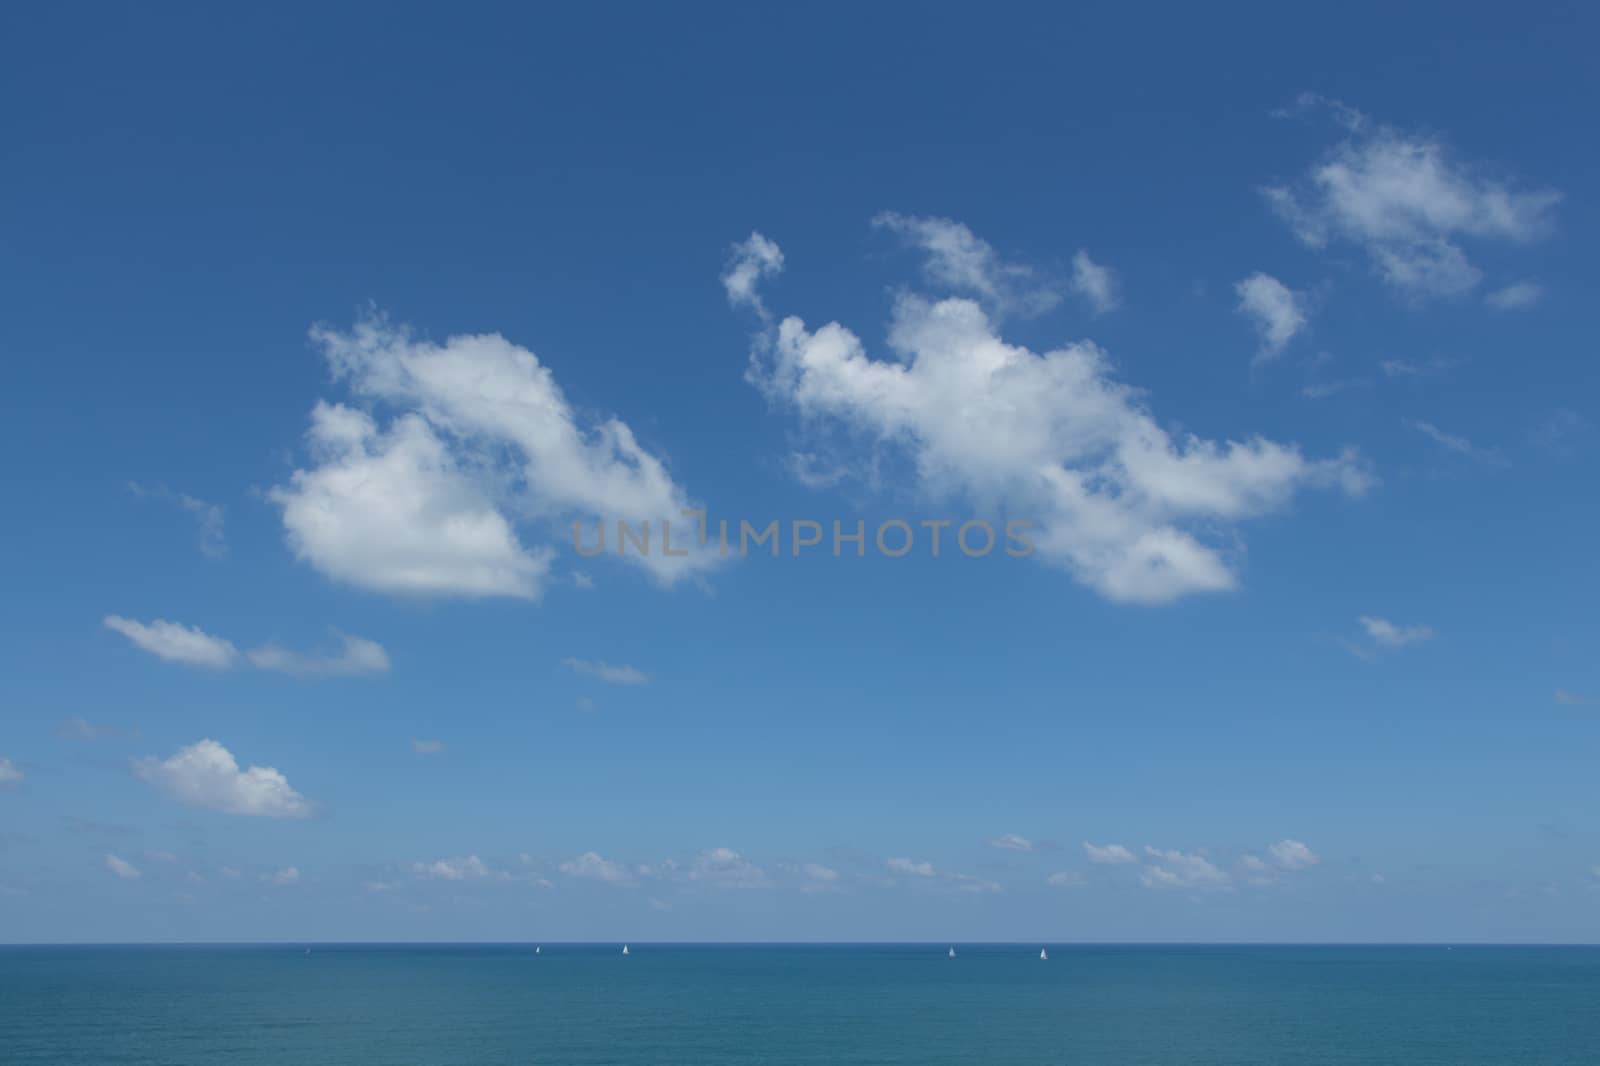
pixel 1518 296
pixel 76 728
pixel 615 675
pixel 1392 636
pixel 356 656
pixel 122 868
pixel 1322 390
pixel 1096 284
pixel 208 516
pixel 1417 368
pixel 1012 842
pixel 1559 432
pixel 1456 444
pixel 1185 870
pixel 958 259
pixel 465 868
pixel 193 646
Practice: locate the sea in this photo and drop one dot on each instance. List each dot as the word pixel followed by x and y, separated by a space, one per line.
pixel 702 1005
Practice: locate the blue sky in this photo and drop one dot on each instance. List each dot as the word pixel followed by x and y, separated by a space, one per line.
pixel 322 327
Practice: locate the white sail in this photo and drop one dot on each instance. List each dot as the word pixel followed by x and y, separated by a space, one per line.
pixel 952 953
pixel 624 949
pixel 1042 954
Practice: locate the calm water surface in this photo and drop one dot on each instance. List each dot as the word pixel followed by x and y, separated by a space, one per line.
pixel 704 1005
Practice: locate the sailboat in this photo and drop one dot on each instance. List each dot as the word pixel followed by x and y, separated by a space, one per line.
pixel 624 949
pixel 952 953
pixel 1043 954
pixel 537 950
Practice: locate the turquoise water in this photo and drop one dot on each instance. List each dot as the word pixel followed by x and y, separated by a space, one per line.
pixel 704 1005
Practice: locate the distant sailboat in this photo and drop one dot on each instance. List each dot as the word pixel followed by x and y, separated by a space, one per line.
pixel 537 950
pixel 624 949
pixel 1043 954
pixel 952 953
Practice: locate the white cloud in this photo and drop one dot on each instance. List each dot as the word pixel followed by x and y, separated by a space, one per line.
pixel 483 447
pixel 395 510
pixel 1277 310
pixel 1518 296
pixel 10 774
pixel 582 580
pixel 616 675
pixel 1389 635
pixel 122 868
pixel 1177 869
pixel 1293 855
pixel 959 260
pixel 175 643
pixel 1065 879
pixel 726 868
pixel 750 261
pixel 1108 854
pixel 468 868
pixel 1405 200
pixel 205 774
pixel 1095 283
pixel 1012 842
pixel 289 875
pixel 910 868
pixel 817 877
pixel 1113 498
pixel 209 516
pixel 357 656
pixel 427 747
pixel 591 866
